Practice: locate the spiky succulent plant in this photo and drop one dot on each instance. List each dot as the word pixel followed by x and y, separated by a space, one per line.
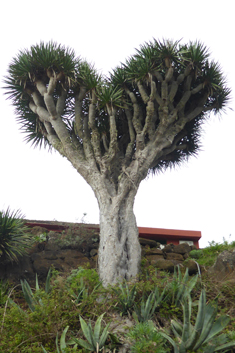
pixel 14 240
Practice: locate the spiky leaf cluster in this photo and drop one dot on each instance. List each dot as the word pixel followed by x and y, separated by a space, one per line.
pixel 14 240
pixel 165 88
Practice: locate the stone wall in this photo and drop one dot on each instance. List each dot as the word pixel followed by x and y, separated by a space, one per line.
pixel 78 247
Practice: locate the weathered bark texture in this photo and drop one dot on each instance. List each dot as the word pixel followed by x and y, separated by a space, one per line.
pixel 119 250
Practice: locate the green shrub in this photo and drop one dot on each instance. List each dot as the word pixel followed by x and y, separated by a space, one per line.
pixel 208 255
pixel 89 276
pixel 74 236
pixel 25 331
pixel 196 254
pixel 144 338
pixel 216 248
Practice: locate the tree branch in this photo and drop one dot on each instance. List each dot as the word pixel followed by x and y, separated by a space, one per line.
pixel 200 107
pixel 41 87
pixel 37 98
pixel 113 145
pixel 143 93
pixel 129 149
pixel 180 106
pixel 158 76
pixel 78 111
pixel 136 114
pixel 60 105
pixel 40 111
pixel 169 74
pixel 105 142
pixel 86 139
pixel 53 139
pixel 151 114
pixel 173 91
pixel 95 136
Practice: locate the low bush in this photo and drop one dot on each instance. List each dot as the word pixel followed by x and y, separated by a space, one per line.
pixel 144 337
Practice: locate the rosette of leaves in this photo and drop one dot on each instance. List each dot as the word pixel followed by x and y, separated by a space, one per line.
pixel 181 286
pixel 95 339
pixel 14 240
pixel 32 298
pixel 205 336
pixel 126 298
pixel 145 310
pixel 61 344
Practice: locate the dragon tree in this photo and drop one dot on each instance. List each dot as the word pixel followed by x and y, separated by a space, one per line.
pixel 144 117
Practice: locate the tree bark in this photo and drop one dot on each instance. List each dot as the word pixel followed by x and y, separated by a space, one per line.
pixel 119 249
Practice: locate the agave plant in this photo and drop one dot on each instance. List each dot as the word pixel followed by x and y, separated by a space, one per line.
pixel 29 296
pixel 126 298
pixel 62 345
pixel 14 240
pixel 95 339
pixel 203 336
pixel 145 311
pixel 180 287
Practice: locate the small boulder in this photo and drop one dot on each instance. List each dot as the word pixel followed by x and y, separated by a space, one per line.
pixel 153 259
pixel 165 265
pixel 151 243
pixel 174 256
pixel 192 266
pixel 14 272
pixel 182 248
pixel 93 252
pixel 63 260
pixel 225 263
pixel 154 251
pixel 169 248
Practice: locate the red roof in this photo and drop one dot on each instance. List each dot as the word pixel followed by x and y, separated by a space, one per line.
pixel 144 232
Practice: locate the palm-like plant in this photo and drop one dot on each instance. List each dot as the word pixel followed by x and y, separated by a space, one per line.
pixel 146 116
pixel 14 240
pixel 52 68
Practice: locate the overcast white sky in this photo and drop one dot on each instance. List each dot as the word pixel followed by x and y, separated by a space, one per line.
pixel 198 195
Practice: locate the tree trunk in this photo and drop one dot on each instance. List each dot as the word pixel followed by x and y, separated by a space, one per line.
pixel 119 250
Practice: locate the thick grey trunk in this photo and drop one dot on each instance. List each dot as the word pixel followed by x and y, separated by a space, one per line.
pixel 119 250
